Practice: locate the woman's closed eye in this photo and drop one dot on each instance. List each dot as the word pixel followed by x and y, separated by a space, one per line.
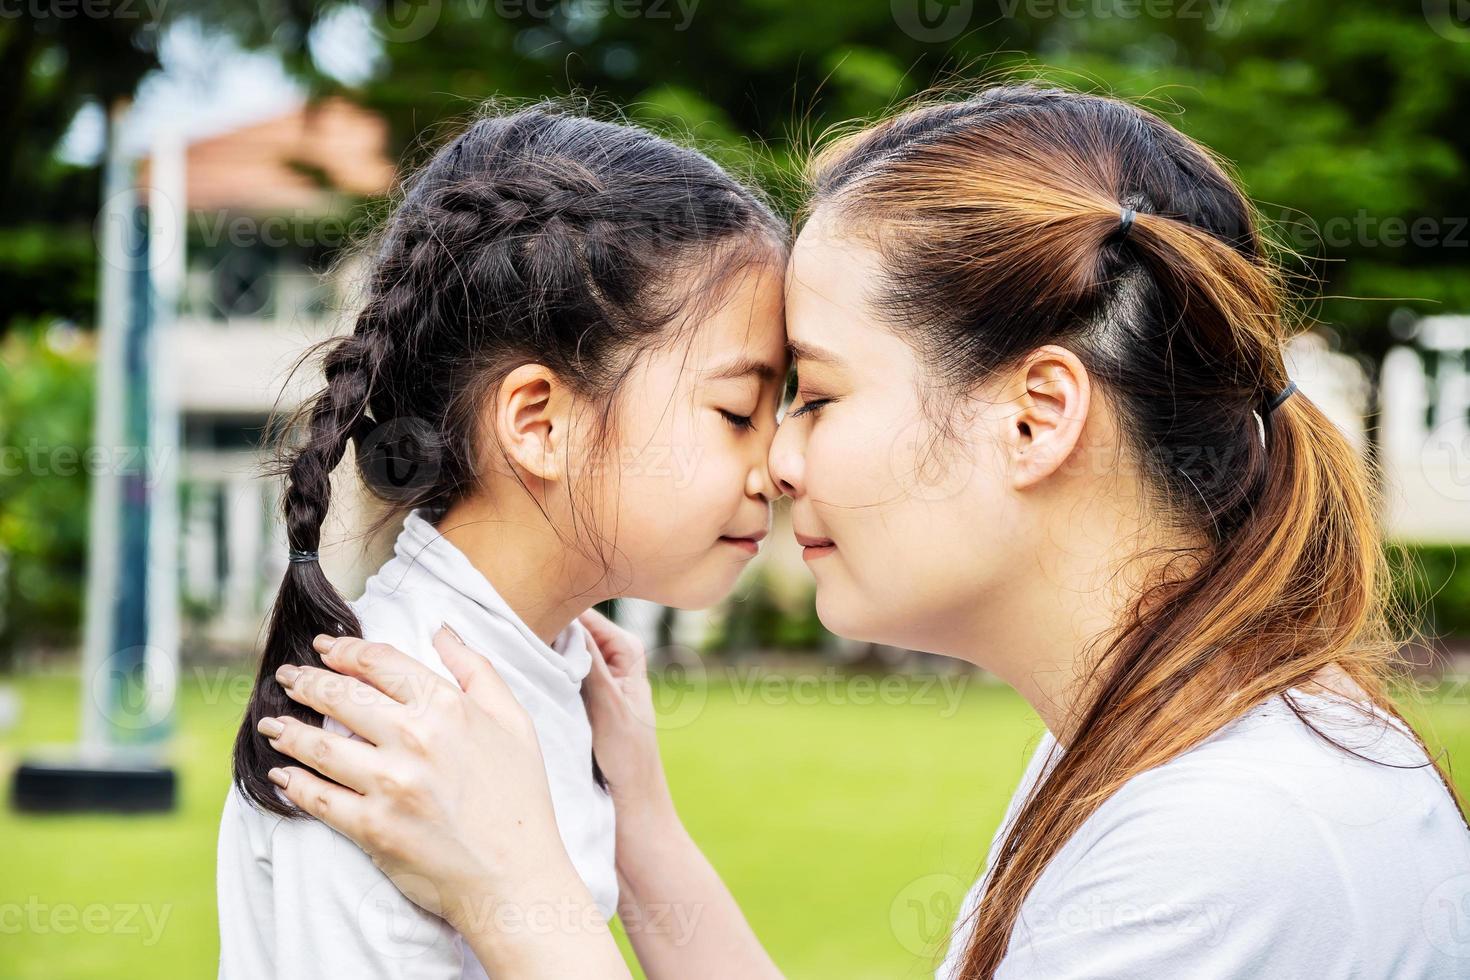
pixel 809 407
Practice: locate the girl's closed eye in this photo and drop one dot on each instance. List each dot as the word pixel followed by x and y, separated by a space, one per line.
pixel 742 422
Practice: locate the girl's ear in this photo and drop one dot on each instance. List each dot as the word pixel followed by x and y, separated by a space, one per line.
pixel 1050 412
pixel 531 420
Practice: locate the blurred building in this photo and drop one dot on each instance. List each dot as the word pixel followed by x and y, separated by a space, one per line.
pixel 1423 430
pixel 268 206
pixel 1424 398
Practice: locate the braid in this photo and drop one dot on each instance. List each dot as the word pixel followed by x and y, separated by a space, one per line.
pixel 336 414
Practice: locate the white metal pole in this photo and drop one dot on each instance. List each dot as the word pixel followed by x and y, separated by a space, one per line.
pixel 167 212
pixel 113 232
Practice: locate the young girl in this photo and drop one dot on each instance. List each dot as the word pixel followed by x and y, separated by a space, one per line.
pixel 566 371
pixel 1043 424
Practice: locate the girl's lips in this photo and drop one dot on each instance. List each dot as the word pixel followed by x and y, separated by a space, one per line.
pixel 747 542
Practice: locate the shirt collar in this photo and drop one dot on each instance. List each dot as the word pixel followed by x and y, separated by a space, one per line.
pixel 425 551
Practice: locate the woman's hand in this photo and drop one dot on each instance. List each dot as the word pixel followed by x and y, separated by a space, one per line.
pixel 448 795
pixel 624 726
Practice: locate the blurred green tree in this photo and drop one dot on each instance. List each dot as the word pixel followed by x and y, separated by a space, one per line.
pixel 45 420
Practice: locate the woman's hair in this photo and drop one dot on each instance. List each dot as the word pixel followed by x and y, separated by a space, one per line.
pixel 541 236
pixel 999 217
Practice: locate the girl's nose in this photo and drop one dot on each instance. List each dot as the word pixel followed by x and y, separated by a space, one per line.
pixel 759 483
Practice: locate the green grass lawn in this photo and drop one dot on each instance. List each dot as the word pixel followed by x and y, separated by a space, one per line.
pixel 847 819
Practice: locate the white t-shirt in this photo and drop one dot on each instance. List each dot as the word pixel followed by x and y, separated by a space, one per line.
pixel 1263 853
pixel 299 900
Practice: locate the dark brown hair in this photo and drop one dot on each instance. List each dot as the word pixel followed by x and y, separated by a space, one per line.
pixel 539 236
pixel 999 220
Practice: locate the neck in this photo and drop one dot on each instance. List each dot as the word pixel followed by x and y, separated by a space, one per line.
pixel 1060 613
pixel 518 550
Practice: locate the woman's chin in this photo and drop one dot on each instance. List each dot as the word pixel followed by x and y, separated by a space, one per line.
pixel 864 618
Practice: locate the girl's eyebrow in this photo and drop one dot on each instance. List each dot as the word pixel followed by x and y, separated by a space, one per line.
pixel 744 367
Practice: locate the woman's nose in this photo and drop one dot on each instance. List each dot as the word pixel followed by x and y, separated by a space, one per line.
pixel 786 462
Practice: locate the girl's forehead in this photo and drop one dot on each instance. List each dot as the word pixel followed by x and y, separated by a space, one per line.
pixel 748 327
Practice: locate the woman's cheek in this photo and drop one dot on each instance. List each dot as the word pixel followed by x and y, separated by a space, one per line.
pixel 863 464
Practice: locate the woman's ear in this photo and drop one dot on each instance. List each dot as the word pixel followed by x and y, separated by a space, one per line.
pixel 531 420
pixel 1051 410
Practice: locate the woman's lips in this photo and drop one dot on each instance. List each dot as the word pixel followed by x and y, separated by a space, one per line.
pixel 814 547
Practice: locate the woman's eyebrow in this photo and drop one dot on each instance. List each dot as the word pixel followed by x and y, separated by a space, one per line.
pixel 811 354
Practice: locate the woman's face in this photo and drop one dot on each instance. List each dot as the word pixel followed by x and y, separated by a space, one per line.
pixel 909 529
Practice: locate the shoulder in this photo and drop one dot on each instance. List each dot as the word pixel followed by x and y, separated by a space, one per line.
pixel 1294 765
pixel 1282 780
pixel 1264 851
pixel 314 903
pixel 243 824
pixel 404 618
pixel 1271 822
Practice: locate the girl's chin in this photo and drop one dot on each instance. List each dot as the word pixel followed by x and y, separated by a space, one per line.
pixel 701 591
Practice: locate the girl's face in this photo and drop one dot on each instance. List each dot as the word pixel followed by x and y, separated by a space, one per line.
pixel 907 528
pixel 689 498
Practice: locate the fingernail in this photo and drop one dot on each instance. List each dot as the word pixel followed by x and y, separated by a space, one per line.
pixel 270 728
pixel 279 776
pixel 450 630
pixel 287 674
pixel 323 643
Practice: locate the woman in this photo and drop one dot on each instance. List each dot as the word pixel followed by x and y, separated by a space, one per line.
pixel 1042 425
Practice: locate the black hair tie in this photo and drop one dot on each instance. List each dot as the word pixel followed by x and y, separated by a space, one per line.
pixel 1125 224
pixel 1281 398
pixel 297 557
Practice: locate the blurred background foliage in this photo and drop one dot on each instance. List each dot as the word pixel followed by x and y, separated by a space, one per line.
pixel 1340 116
pixel 45 415
pixel 1345 118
